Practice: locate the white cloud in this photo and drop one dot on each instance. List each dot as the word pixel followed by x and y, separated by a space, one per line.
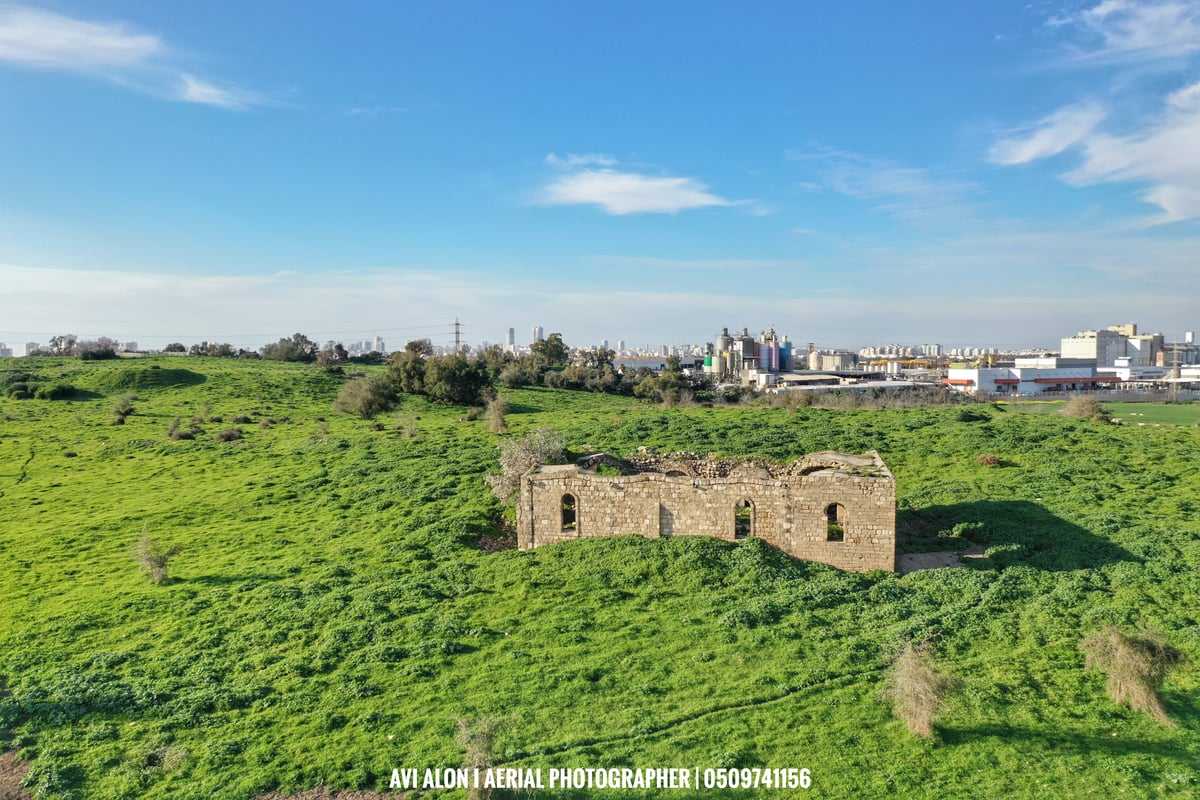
pixel 574 160
pixel 1163 152
pixel 1129 30
pixel 1052 135
pixel 35 38
pixel 195 90
pixel 629 192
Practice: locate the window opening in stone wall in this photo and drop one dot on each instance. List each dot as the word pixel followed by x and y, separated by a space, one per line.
pixel 743 519
pixel 835 522
pixel 570 513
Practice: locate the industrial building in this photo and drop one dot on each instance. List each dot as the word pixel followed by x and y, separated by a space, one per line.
pixel 743 359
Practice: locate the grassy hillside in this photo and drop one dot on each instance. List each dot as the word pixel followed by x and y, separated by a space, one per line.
pixel 331 614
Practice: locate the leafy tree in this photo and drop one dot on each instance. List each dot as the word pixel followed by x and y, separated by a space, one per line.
pixel 407 373
pixel 175 347
pixel 550 352
pixel 457 380
pixel 496 358
pixel 298 348
pixel 422 347
pixel 596 357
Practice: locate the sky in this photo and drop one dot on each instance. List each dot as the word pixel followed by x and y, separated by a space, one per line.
pixel 851 173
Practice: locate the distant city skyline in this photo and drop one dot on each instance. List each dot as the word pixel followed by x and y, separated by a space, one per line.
pixel 852 173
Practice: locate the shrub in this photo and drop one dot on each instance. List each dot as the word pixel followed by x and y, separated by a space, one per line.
pixel 514 377
pixel 229 435
pixel 916 689
pixel 174 432
pixel 123 408
pixel 988 460
pixel 497 407
pixel 55 391
pixel 153 557
pixel 242 419
pixel 518 456
pixel 365 397
pixel 1083 407
pixel 1135 667
pixel 478 741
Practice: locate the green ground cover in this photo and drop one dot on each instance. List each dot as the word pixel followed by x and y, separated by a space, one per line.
pixel 332 615
pixel 1156 413
pixel 1186 414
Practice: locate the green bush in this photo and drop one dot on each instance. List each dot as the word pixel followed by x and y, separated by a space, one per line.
pixel 365 397
pixel 55 391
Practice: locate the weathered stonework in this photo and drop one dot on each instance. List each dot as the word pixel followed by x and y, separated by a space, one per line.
pixel 795 507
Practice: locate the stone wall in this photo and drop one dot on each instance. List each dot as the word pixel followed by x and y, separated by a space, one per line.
pixel 789 506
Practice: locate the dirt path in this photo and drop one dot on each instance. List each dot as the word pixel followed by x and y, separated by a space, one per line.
pixel 911 562
pixel 12 772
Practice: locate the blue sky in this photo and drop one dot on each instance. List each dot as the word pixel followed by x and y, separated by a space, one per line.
pixel 851 173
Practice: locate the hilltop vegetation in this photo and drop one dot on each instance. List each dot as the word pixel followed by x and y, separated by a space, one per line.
pixel 332 611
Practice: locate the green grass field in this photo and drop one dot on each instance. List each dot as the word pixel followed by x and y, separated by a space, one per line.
pixel 1156 413
pixel 1185 414
pixel 332 615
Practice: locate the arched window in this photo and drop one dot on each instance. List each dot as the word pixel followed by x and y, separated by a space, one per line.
pixel 835 522
pixel 570 513
pixel 743 520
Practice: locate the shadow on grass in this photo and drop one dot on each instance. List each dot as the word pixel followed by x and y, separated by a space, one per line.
pixel 226 580
pixel 1073 744
pixel 521 408
pixel 1013 531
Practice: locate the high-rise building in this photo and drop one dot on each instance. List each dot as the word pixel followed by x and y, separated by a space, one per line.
pixel 604 343
pixel 510 339
pixel 538 333
pixel 620 346
pixel 5 351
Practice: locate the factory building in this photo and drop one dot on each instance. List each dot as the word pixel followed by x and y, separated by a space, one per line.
pixel 743 359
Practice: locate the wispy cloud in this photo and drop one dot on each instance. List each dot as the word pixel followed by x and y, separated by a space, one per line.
pixel 375 111
pixel 574 160
pixel 911 193
pixel 1127 30
pixel 112 51
pixel 1049 136
pixel 1157 149
pixel 731 264
pixel 1162 152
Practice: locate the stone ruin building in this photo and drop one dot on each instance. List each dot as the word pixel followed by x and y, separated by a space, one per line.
pixel 829 507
